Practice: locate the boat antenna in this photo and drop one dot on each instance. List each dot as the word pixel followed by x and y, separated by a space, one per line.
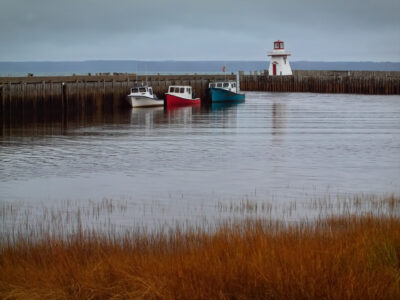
pixel 136 72
pixel 145 71
pixel 238 81
pixel 224 70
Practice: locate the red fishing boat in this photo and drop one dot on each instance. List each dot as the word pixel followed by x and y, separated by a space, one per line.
pixel 180 95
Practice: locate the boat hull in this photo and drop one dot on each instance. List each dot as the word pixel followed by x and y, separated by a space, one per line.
pixel 221 95
pixel 142 101
pixel 175 101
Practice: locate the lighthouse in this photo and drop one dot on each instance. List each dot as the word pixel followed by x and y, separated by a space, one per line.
pixel 279 65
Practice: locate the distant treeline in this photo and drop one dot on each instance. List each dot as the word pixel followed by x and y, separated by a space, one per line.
pixel 174 67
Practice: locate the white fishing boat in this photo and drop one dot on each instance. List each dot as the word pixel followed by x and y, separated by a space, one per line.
pixel 143 96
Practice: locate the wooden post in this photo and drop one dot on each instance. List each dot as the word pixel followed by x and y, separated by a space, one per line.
pixel 9 98
pixel 2 105
pixel 63 96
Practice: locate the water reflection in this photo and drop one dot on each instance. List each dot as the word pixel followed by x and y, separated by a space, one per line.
pixel 147 117
pixel 278 118
pixel 64 123
pixel 182 115
pixel 225 106
pixel 273 146
pixel 59 123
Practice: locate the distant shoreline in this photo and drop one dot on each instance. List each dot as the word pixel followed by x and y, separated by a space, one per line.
pixel 66 68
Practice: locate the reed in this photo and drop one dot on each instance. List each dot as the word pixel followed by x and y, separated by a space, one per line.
pixel 343 256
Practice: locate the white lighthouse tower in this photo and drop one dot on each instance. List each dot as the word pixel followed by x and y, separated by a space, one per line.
pixel 279 65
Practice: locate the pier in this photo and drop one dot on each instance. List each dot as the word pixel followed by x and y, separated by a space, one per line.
pixel 344 82
pixel 19 95
pixel 86 93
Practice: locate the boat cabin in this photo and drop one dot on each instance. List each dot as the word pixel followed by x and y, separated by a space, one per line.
pixel 226 85
pixel 183 91
pixel 142 90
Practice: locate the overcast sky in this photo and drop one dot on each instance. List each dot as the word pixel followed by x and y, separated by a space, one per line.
pixel 338 30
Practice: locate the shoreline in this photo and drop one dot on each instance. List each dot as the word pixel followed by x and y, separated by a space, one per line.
pixel 344 256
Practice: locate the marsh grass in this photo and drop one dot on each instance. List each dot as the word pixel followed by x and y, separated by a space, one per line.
pixel 354 253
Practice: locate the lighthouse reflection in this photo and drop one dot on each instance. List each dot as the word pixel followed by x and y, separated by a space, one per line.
pixel 278 118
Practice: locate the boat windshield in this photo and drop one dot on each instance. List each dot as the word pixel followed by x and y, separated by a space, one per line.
pixel 179 89
pixel 142 90
pixel 219 84
pixel 212 85
pixel 134 90
pixel 226 84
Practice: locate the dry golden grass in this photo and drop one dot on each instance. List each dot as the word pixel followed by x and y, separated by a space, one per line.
pixel 337 258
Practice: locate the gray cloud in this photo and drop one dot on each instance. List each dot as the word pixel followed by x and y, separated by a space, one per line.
pixel 176 29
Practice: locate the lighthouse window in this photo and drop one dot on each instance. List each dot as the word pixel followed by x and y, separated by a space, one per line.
pixel 276 45
pixel 281 45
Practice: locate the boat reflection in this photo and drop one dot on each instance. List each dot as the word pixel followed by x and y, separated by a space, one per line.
pixel 67 123
pixel 182 115
pixel 147 116
pixel 225 105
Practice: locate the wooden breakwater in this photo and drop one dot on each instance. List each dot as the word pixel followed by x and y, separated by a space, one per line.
pixel 20 95
pixel 86 93
pixel 346 82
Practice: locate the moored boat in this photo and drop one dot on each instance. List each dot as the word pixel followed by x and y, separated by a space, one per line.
pixel 225 91
pixel 143 96
pixel 180 95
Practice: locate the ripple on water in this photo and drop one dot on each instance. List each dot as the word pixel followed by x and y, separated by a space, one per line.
pixel 281 145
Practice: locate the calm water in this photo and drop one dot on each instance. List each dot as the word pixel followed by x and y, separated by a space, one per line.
pixel 175 164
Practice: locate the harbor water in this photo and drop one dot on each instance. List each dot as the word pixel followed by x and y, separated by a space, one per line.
pixel 189 163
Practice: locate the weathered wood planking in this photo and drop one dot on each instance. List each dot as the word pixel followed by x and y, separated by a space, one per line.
pixel 85 93
pixel 108 92
pixel 353 82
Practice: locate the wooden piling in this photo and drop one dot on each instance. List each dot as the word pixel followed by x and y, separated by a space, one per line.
pixel 357 82
pixel 81 93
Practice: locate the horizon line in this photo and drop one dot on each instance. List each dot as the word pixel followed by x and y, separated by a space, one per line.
pixel 191 60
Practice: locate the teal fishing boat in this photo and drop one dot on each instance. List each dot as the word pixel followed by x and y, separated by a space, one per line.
pixel 225 91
